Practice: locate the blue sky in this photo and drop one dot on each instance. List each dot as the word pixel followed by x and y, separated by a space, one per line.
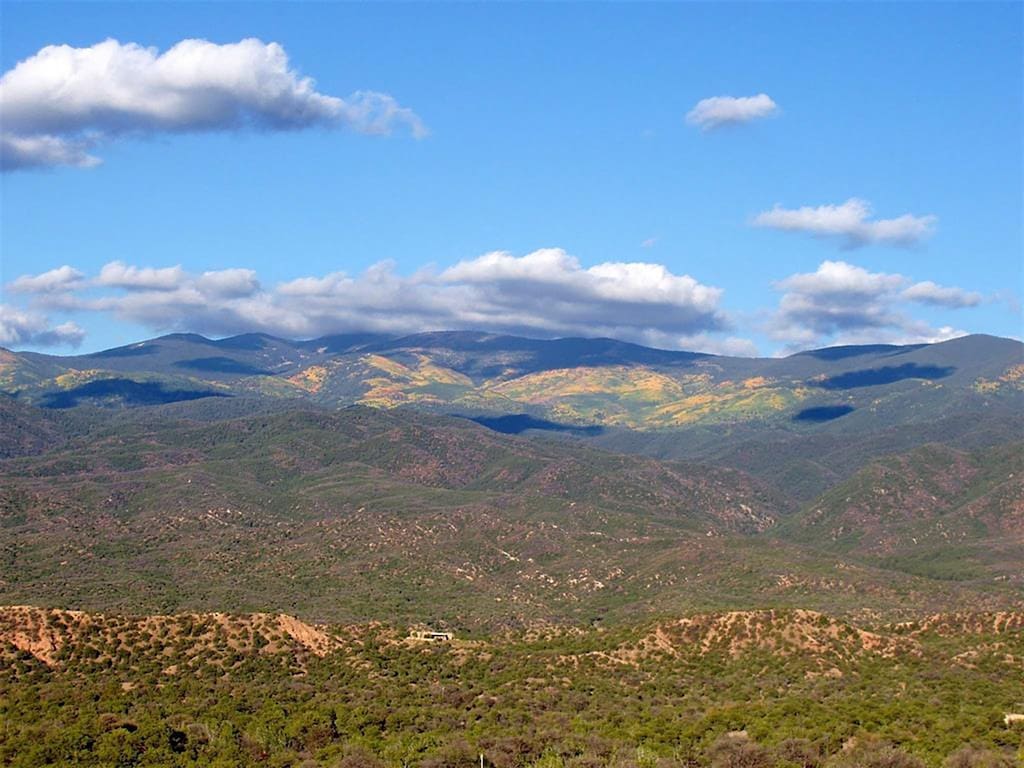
pixel 557 130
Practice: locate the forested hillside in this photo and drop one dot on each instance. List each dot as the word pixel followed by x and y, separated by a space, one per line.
pixel 761 689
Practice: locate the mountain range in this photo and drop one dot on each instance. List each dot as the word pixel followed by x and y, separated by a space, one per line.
pixel 480 480
pixel 813 417
pixel 571 381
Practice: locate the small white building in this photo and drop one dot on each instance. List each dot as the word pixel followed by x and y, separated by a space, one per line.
pixel 432 636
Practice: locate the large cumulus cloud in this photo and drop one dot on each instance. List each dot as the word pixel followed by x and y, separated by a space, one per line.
pixel 544 293
pixel 63 102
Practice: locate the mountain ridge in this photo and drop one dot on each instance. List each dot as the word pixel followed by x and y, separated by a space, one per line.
pixel 465 338
pixel 812 418
pixel 613 383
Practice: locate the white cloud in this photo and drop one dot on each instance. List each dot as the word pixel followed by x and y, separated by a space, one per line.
pixel 915 332
pixel 550 288
pixel 719 111
pixel 732 346
pixel 839 282
pixel 117 274
pixel 928 292
pixel 850 222
pixel 60 279
pixel 24 152
pixel 543 293
pixel 909 332
pixel 846 304
pixel 650 242
pixel 62 101
pixel 20 328
pixel 379 114
pixel 229 283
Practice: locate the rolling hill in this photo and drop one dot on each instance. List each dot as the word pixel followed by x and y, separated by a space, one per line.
pixel 368 514
pixel 935 511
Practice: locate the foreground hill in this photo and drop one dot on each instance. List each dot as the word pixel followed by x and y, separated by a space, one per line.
pixel 366 514
pixel 757 688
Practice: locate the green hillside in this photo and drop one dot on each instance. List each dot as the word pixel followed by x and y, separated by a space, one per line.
pixel 366 514
pixel 758 689
pixel 934 511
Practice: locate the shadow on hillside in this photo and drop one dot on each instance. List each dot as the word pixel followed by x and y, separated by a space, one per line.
pixel 136 351
pixel 221 365
pixel 514 424
pixel 873 377
pixel 126 391
pixel 251 342
pixel 841 353
pixel 823 413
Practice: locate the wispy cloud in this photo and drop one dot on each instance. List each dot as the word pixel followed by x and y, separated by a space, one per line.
pixel 850 222
pixel 60 279
pixel 117 274
pixel 719 111
pixel 63 102
pixel 928 292
pixel 42 151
